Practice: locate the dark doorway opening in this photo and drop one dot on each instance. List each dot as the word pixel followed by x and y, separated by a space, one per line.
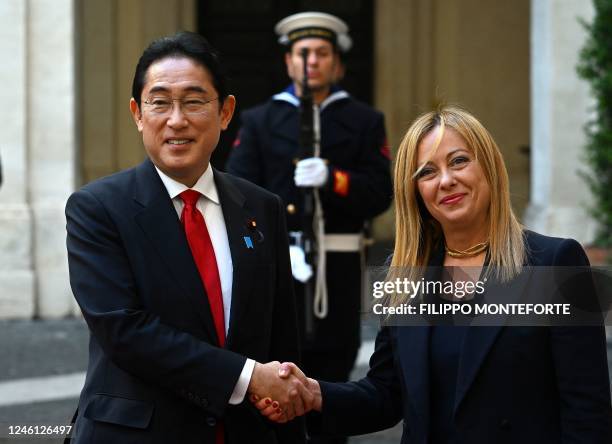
pixel 243 32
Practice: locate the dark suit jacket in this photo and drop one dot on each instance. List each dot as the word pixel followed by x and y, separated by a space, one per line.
pixel 514 384
pixel 155 374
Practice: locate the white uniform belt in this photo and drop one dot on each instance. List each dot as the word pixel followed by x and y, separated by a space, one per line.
pixel 343 243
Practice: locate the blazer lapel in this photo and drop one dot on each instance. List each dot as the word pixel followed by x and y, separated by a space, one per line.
pixel 159 221
pixel 479 339
pixel 413 343
pixel 236 217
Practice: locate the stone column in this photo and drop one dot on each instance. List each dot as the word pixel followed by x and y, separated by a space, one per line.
pixel 37 49
pixel 52 146
pixel 560 105
pixel 16 265
pixel 400 86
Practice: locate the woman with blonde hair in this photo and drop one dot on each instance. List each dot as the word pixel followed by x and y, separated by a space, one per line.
pixel 470 384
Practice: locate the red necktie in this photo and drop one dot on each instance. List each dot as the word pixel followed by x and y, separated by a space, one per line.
pixel 204 257
pixel 206 262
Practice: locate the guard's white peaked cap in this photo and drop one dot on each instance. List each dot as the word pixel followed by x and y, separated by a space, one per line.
pixel 306 23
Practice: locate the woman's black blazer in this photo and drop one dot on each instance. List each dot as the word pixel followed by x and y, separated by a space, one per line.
pixel 514 384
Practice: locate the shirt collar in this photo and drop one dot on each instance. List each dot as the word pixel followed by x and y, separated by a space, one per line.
pixel 288 95
pixel 205 185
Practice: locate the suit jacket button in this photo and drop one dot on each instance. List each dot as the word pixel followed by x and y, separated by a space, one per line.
pixel 211 421
pixel 504 424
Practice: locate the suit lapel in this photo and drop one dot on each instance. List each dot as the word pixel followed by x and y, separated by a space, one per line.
pixel 476 345
pixel 414 350
pixel 236 217
pixel 159 221
pixel 479 339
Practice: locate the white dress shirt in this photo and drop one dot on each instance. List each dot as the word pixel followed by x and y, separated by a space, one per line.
pixel 209 205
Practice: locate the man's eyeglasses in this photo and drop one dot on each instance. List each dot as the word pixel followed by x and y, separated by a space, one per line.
pixel 189 105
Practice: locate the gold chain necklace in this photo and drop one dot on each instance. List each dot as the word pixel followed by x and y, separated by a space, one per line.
pixel 469 252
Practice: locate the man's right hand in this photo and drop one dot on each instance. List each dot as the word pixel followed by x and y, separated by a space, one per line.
pixel 309 392
pixel 282 392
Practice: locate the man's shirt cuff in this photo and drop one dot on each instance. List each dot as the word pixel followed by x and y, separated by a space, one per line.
pixel 243 382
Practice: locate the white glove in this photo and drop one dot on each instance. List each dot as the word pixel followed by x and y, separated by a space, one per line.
pixel 311 172
pixel 300 269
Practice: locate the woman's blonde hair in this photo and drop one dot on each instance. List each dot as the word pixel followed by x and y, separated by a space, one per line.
pixel 416 232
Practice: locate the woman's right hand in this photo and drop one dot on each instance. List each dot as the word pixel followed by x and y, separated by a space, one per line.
pixel 309 397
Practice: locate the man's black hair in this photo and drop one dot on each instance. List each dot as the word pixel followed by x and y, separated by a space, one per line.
pixel 182 44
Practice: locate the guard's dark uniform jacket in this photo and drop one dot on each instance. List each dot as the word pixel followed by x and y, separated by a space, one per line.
pixel 359 187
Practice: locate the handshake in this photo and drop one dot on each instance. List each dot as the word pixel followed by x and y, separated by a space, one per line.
pixel 281 391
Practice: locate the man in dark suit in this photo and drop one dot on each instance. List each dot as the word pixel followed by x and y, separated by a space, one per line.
pixel 351 176
pixel 182 274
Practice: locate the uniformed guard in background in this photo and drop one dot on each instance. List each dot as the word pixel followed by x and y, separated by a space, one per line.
pixel 349 173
